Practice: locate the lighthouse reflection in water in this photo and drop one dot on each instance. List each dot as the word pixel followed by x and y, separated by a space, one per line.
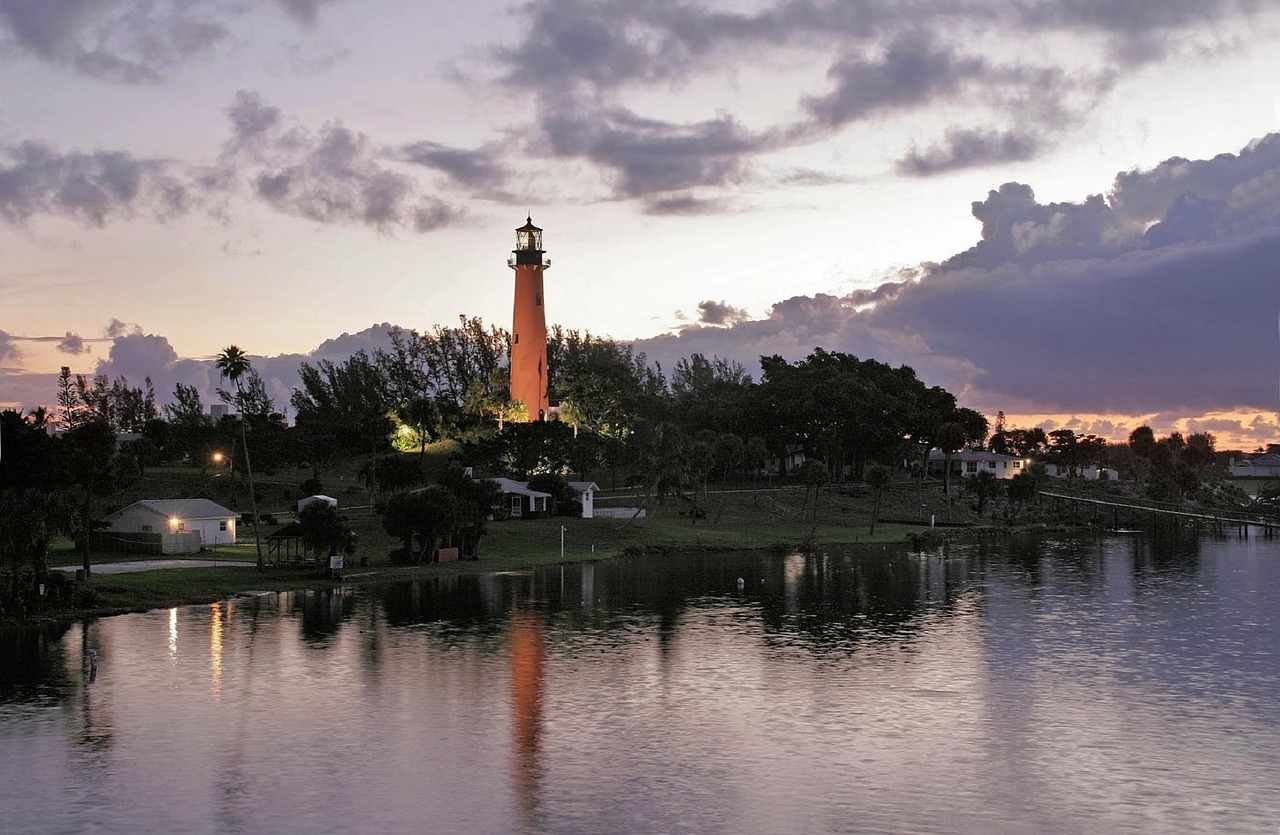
pixel 1121 684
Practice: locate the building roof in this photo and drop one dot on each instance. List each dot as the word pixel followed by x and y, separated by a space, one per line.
pixel 519 487
pixel 972 455
pixel 181 508
pixel 1270 459
pixel 584 486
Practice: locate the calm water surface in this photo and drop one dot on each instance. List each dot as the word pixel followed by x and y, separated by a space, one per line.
pixel 1120 685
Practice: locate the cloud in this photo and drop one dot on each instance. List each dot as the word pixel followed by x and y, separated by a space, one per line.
pixel 580 59
pixel 131 41
pixel 9 351
pixel 719 313
pixel 1068 307
pixel 475 169
pixel 91 188
pixel 333 175
pixel 651 156
pixel 115 328
pixel 911 70
pixel 73 344
pixel 123 41
pixel 305 12
pixel 970 148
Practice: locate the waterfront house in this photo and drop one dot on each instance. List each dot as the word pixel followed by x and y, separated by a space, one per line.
pixel 967 463
pixel 173 526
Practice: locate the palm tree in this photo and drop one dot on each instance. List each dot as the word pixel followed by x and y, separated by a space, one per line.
pixel 232 364
pixel 950 439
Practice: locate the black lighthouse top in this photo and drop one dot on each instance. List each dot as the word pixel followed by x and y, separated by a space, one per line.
pixel 528 244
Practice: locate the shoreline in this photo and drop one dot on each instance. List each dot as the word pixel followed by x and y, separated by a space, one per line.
pixel 171 587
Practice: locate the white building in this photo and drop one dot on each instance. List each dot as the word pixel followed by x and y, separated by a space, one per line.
pixel 967 463
pixel 587 495
pixel 1266 465
pixel 175 520
pixel 329 500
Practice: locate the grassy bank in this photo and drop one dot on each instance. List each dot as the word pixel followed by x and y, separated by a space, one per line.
pixel 738 519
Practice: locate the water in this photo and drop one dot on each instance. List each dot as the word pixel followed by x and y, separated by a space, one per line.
pixel 1112 686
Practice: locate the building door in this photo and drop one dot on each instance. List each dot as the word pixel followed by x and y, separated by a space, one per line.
pixel 517 507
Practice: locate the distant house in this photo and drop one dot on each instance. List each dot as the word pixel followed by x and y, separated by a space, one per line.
pixel 1089 472
pixel 522 503
pixel 175 526
pixel 587 495
pixel 1266 465
pixel 967 463
pixel 791 460
pixel 329 500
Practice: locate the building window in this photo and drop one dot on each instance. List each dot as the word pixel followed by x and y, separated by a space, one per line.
pixel 222 526
pixel 515 339
pixel 991 465
pixel 146 529
pixel 538 300
pixel 971 466
pixel 1017 465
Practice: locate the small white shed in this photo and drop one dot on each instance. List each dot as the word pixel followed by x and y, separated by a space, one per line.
pixel 587 493
pixel 329 500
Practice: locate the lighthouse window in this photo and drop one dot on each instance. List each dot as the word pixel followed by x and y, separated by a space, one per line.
pixel 538 299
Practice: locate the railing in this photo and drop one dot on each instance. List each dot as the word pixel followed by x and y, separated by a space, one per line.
pixel 1214 515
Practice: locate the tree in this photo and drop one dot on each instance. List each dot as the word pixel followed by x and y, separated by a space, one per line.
pixel 476 499
pixel 755 453
pixel 813 474
pixel 233 364
pixel 427 515
pixel 984 485
pixel 323 531
pixel 32 519
pixel 951 439
pixel 878 478
pixel 1143 442
pixel 90 449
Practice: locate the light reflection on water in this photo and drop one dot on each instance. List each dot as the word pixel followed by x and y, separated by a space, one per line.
pixel 1121 686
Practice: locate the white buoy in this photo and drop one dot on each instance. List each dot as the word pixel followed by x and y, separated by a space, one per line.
pixel 741 583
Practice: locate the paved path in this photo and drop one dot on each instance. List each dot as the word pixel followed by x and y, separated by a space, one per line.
pixel 152 565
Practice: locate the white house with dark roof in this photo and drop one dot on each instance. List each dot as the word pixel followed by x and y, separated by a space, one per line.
pixel 213 523
pixel 967 463
pixel 521 502
pixel 1266 465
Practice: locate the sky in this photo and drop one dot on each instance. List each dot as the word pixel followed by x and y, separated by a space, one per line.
pixel 1067 210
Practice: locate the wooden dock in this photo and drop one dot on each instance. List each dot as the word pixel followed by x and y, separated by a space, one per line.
pixel 1219 520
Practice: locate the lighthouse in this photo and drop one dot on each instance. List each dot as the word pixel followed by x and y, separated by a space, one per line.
pixel 529 323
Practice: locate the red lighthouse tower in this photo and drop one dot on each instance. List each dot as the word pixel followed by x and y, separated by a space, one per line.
pixel 529 324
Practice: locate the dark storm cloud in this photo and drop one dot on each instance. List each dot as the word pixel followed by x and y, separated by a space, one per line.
pixel 92 188
pixel 970 148
pixel 129 41
pixel 1068 306
pixel 333 175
